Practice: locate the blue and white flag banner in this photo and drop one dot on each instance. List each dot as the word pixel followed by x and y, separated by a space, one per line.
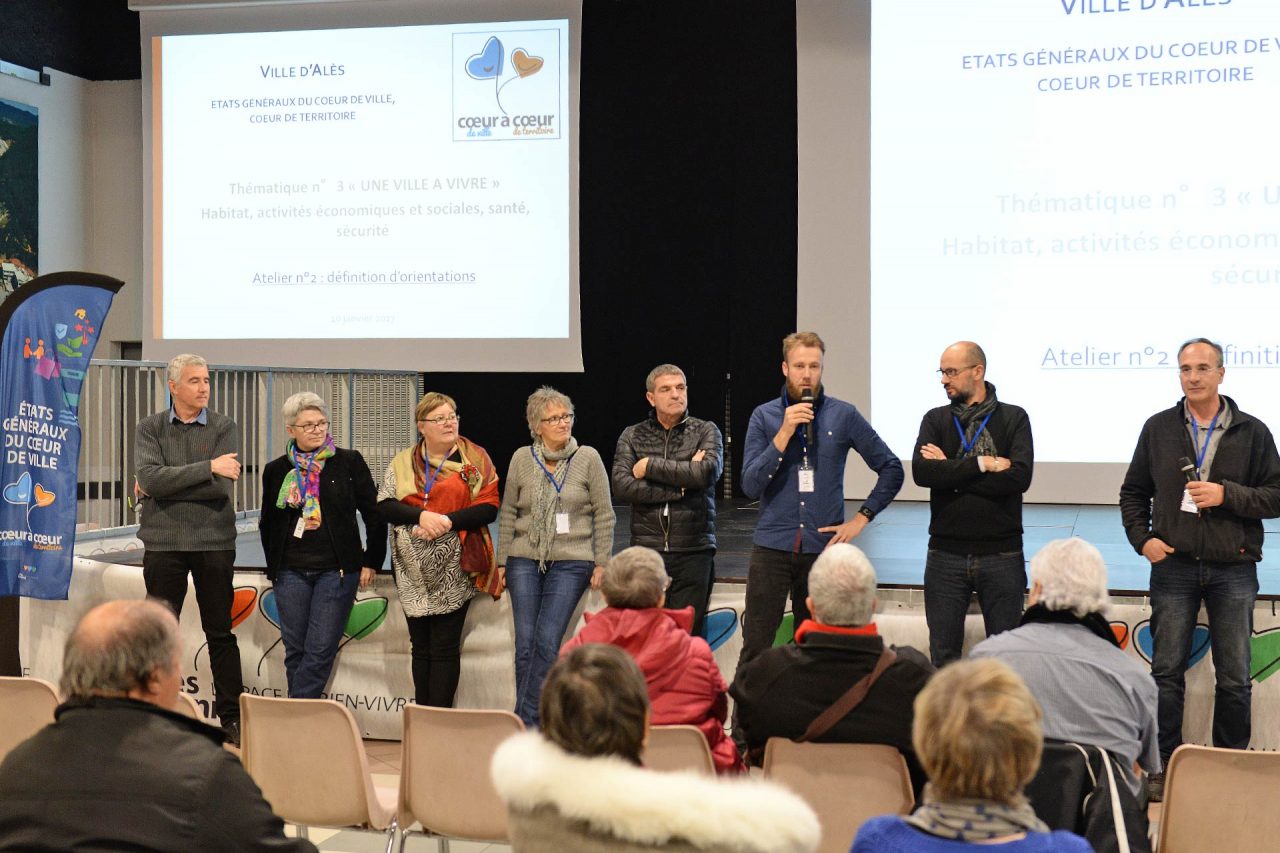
pixel 49 329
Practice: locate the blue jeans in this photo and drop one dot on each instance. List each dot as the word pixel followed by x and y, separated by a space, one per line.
pixel 314 607
pixel 1228 590
pixel 949 579
pixel 542 604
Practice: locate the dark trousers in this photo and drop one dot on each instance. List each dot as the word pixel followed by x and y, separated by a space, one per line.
pixel 436 650
pixel 165 574
pixel 949 579
pixel 692 574
pixel 771 576
pixel 1228 590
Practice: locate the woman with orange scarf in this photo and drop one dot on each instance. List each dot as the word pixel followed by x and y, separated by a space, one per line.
pixel 440 496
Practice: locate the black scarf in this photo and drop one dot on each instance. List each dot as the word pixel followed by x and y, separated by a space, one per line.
pixel 1095 622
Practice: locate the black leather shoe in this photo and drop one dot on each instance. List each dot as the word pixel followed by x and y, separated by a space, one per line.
pixel 231 733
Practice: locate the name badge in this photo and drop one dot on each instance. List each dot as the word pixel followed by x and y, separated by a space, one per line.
pixel 299 529
pixel 562 522
pixel 806 479
pixel 1189 505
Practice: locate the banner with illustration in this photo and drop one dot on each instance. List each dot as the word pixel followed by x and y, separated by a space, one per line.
pixel 48 330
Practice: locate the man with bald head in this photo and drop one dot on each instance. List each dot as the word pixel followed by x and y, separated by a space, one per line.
pixel 118 769
pixel 975 457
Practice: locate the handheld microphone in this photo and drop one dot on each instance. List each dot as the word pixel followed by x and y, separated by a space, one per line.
pixel 806 396
pixel 1188 469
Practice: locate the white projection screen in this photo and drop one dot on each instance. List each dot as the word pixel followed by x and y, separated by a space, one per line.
pixel 378 185
pixel 1078 186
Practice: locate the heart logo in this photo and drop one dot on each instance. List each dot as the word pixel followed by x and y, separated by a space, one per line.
pixel 19 492
pixel 242 604
pixel 525 64
pixel 1121 632
pixel 267 604
pixel 366 615
pixel 718 626
pixel 1265 649
pixel 487 64
pixel 1199 642
pixel 43 496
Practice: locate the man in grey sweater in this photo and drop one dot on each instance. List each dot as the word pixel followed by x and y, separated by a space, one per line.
pixel 186 467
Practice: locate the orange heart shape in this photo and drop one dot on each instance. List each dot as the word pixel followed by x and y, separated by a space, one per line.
pixel 43 497
pixel 524 63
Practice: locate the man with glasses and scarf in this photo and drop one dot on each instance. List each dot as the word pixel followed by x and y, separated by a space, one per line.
pixel 975 457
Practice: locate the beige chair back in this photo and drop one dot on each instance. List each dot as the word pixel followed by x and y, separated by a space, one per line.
pixel 187 706
pixel 846 784
pixel 308 758
pixel 1220 799
pixel 26 706
pixel 444 772
pixel 673 748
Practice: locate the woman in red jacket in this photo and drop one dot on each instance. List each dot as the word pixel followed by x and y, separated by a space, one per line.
pixel 684 682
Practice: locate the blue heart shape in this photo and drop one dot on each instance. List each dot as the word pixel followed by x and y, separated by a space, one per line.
pixel 718 626
pixel 487 64
pixel 1199 643
pixel 267 604
pixel 19 492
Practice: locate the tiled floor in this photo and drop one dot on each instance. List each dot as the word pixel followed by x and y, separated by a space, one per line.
pixel 384 764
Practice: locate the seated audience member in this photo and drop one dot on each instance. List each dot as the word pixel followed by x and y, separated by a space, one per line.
pixel 977 732
pixel 118 770
pixel 1064 650
pixel 685 684
pixel 783 691
pixel 578 785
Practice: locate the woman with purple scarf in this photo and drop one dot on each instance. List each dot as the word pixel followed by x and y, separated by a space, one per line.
pixel 315 559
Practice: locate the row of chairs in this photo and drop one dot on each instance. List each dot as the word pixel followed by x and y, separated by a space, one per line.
pixel 308 757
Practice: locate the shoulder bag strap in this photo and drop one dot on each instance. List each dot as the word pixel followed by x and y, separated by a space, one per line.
pixel 847 702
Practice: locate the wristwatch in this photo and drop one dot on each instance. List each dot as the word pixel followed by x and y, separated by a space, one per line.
pixel 867 513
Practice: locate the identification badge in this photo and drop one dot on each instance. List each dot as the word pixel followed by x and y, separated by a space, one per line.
pixel 562 522
pixel 299 529
pixel 806 479
pixel 1189 505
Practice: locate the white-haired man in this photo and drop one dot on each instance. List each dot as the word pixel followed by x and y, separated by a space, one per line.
pixel 187 467
pixel 1065 650
pixel 120 770
pixel 783 690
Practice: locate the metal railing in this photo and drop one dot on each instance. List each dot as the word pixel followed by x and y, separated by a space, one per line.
pixel 369 411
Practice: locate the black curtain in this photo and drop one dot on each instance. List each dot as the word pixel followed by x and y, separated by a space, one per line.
pixel 688 220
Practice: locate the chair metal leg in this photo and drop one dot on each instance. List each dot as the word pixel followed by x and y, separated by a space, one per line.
pixel 302 831
pixel 391 836
pixel 404 837
pixel 444 845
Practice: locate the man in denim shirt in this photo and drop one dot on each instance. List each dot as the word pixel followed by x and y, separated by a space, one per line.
pixel 793 463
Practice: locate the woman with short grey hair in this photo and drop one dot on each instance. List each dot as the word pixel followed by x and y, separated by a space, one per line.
pixel 555 535
pixel 315 560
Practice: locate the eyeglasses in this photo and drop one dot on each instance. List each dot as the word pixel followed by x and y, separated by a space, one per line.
pixel 318 426
pixel 559 419
pixel 441 420
pixel 1199 369
pixel 953 372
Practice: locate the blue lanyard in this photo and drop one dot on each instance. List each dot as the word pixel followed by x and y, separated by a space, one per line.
pixel 551 477
pixel 966 446
pixel 426 463
pixel 1204 449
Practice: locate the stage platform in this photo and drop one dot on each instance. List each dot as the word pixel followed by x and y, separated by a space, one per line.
pixel 897 540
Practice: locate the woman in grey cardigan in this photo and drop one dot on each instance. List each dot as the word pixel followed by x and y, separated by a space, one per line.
pixel 555 535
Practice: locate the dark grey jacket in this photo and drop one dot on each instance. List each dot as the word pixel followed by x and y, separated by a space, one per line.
pixel 1245 463
pixel 674 507
pixel 118 774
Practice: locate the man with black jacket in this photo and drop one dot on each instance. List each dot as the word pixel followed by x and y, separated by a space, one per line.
pixel 1203 476
pixel 119 769
pixel 666 467
pixel 975 456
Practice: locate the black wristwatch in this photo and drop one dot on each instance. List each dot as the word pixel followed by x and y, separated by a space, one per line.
pixel 870 516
